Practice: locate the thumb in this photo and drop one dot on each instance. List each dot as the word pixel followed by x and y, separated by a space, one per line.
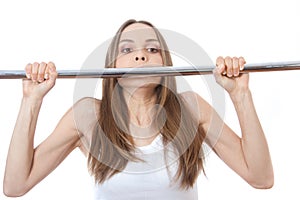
pixel 218 73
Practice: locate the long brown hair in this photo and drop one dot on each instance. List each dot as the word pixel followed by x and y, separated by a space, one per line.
pixel 112 147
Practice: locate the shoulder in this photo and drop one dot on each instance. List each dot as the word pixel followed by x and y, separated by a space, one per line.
pixel 87 102
pixel 85 116
pixel 198 106
pixel 189 96
pixel 86 106
pixel 194 99
pixel 85 113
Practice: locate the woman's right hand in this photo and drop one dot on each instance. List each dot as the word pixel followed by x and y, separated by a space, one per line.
pixel 41 78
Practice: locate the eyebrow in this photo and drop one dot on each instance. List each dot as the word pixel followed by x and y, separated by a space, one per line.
pixel 126 40
pixel 152 40
pixel 132 41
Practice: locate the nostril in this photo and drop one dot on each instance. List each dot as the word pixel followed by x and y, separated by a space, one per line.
pixel 143 58
pixel 136 58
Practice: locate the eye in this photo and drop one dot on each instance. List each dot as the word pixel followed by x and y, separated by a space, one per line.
pixel 152 50
pixel 126 50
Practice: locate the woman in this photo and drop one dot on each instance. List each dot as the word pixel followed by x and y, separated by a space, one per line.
pixel 146 141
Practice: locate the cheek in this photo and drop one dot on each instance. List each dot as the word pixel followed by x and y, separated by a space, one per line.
pixel 156 59
pixel 123 61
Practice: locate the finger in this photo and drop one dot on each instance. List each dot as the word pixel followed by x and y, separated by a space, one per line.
pixel 220 61
pixel 28 70
pixel 34 71
pixel 47 72
pixel 235 66
pixel 220 65
pixel 41 72
pixel 219 71
pixel 218 74
pixel 228 63
pixel 52 71
pixel 242 63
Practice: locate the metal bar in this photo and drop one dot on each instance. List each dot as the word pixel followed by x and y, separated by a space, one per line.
pixel 155 71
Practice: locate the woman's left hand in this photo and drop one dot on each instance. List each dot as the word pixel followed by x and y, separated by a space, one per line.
pixel 227 74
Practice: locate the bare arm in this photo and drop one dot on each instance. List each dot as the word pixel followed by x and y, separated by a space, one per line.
pixel 248 155
pixel 26 166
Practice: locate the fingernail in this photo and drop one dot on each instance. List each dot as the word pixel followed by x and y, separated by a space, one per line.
pixel 28 76
pixel 46 76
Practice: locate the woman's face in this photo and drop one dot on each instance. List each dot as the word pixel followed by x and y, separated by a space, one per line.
pixel 139 47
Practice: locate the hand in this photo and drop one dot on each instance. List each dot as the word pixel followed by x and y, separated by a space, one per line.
pixel 227 74
pixel 41 78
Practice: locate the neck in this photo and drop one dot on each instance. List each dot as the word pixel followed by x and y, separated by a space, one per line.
pixel 142 112
pixel 140 98
pixel 141 104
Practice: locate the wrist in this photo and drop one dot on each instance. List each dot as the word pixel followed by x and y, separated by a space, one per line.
pixel 241 95
pixel 30 107
pixel 32 100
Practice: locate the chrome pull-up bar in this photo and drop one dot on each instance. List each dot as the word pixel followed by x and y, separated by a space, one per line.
pixel 154 71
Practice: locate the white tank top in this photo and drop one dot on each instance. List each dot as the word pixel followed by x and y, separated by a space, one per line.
pixel 146 180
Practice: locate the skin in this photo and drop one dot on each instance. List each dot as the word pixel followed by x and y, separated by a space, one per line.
pixel 247 155
pixel 139 47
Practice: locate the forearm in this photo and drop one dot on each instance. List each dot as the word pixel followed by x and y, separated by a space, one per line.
pixel 21 150
pixel 253 141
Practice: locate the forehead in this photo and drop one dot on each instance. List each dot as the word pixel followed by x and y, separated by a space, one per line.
pixel 138 32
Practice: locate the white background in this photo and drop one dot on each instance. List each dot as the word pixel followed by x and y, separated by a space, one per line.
pixel 66 32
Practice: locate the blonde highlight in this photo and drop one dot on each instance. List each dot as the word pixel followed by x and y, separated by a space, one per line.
pixel 113 144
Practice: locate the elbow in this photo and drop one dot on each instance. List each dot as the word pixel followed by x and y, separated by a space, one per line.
pixel 9 192
pixel 266 184
pixel 262 182
pixel 12 190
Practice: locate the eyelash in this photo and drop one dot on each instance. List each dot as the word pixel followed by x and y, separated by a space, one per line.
pixel 149 49
pixel 152 50
pixel 126 50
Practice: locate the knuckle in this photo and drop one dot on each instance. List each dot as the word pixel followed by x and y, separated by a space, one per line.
pixel 51 64
pixel 235 63
pixel 28 67
pixel 43 64
pixel 220 58
pixel 36 64
pixel 227 58
pixel 55 74
pixel 242 60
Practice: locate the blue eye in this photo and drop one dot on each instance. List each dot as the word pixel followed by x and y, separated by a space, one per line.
pixel 126 50
pixel 152 50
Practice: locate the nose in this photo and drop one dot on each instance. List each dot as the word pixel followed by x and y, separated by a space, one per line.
pixel 140 56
